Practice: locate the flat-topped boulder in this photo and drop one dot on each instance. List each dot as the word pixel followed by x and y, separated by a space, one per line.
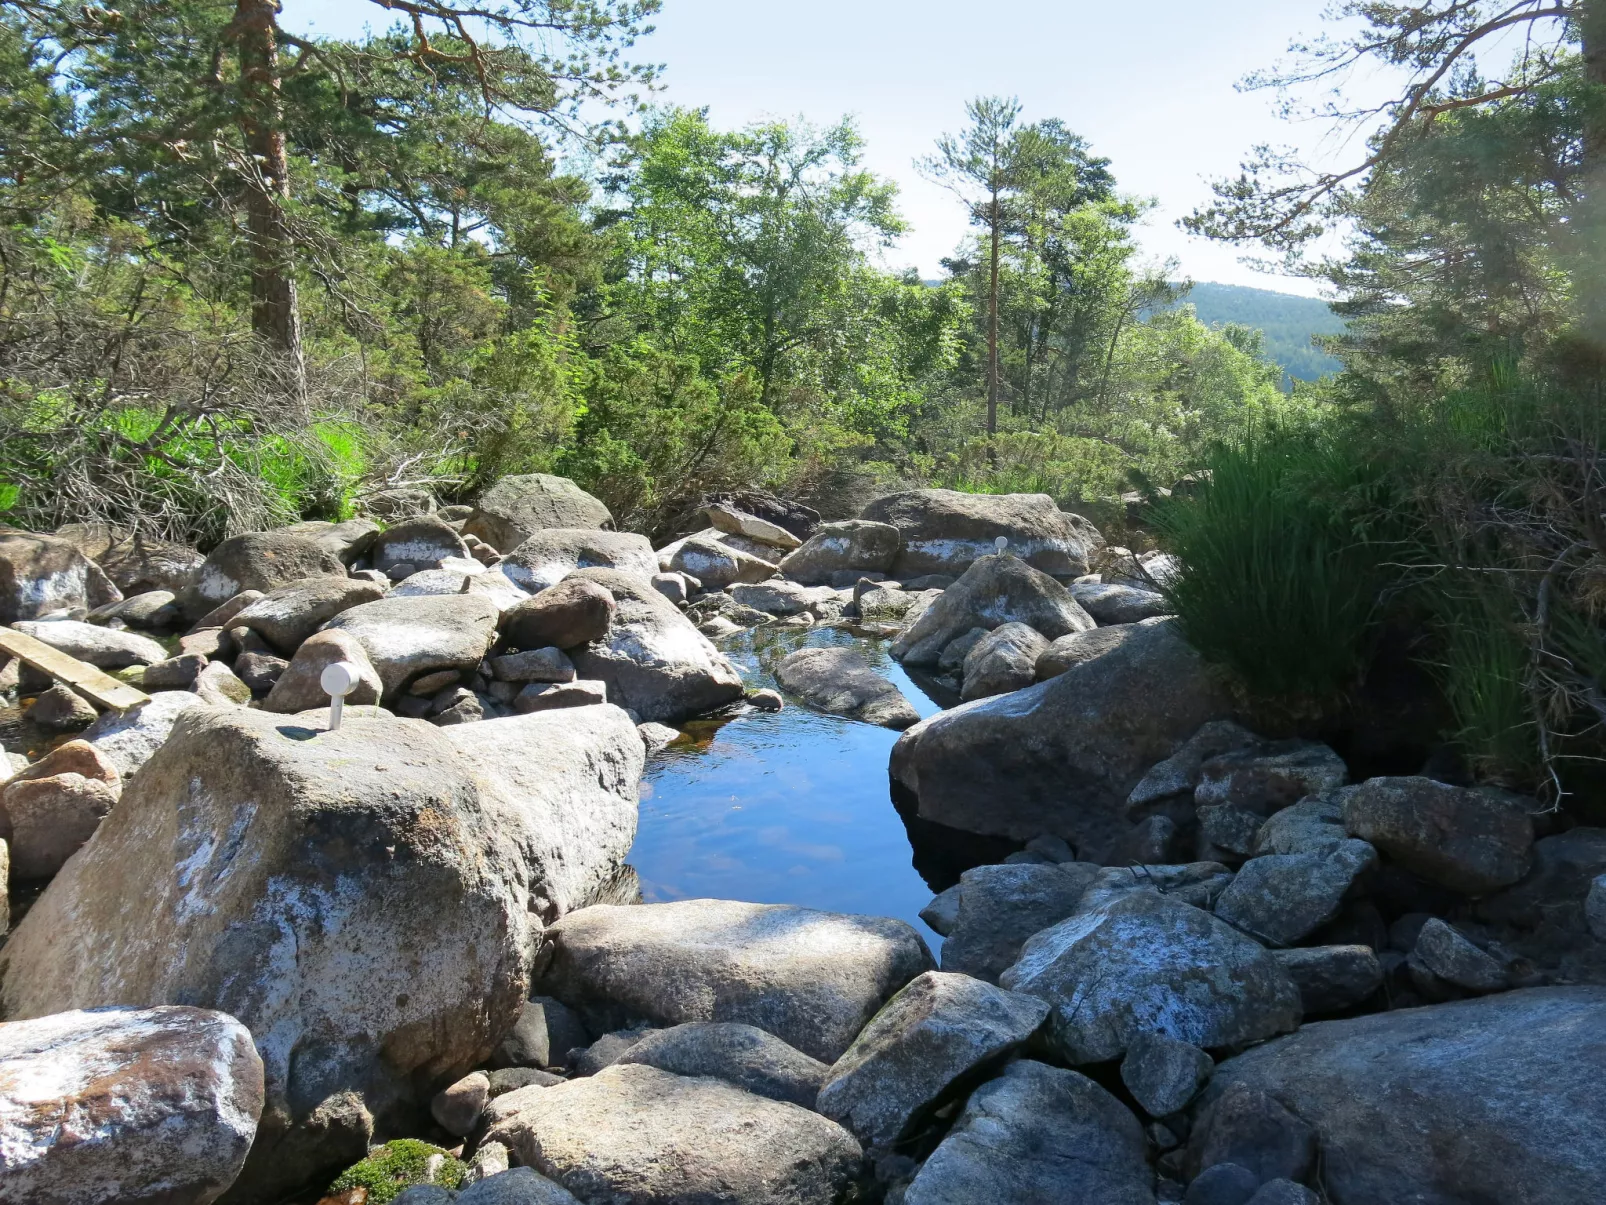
pixel 1493 1099
pixel 40 574
pixel 635 1135
pixel 549 556
pixel 853 545
pixel 364 901
pixel 813 979
pixel 406 638
pixel 259 560
pixel 737 522
pixel 421 543
pixel 993 591
pixel 128 738
pixel 107 648
pixel 944 531
pixel 716 563
pixel 127 1105
pixel 516 508
pixel 1061 757
pixel 652 659
pixel 840 680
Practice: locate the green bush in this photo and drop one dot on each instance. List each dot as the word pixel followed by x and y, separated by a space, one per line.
pixel 397 1165
pixel 1288 555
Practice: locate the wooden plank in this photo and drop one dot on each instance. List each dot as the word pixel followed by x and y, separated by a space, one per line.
pixel 99 686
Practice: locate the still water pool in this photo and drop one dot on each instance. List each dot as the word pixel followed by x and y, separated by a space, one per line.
pixel 788 808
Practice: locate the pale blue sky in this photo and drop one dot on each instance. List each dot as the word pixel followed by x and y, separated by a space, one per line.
pixel 1149 83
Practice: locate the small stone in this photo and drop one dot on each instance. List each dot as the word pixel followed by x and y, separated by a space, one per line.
pixel 605 1051
pixel 1179 773
pixel 1164 1074
pixel 1332 978
pixel 467 708
pixel 214 644
pixel 249 640
pixel 552 696
pixel 672 586
pixel 1266 779
pixel 222 616
pixel 60 709
pixel 510 1079
pixel 49 809
pixel 1223 1184
pixel 176 673
pixel 1232 829
pixel 1161 1137
pixel 400 571
pixel 259 671
pixel 943 911
pixel 657 737
pixel 458 1107
pixel 433 684
pixel 489 1159
pixel 1055 849
pixel 766 700
pixel 1444 952
pixel 534 665
pixel 1284 1192
pixel 218 685
pixel 1282 898
pixel 1249 1127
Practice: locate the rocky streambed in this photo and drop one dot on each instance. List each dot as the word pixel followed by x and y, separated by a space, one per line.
pixel 787 863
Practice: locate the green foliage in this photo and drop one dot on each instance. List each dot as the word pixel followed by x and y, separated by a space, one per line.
pixel 1288 322
pixel 1287 556
pixel 399 1164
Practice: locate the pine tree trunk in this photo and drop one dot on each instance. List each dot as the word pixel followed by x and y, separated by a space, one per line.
pixel 992 326
pixel 275 309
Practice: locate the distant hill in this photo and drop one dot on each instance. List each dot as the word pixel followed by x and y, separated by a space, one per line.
pixel 1288 321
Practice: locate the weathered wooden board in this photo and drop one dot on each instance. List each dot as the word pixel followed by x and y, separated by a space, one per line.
pixel 98 686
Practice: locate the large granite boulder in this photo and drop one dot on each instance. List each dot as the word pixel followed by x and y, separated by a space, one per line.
pixel 737 522
pixel 813 979
pixel 652 659
pixel 1283 898
pixel 515 508
pixel 743 1055
pixel 944 531
pixel 548 557
pixel 854 545
pixel 128 738
pixel 407 638
pixel 421 543
pixel 1470 840
pixel 288 615
pixel 135 562
pixel 1111 603
pixel 993 591
pixel 125 1105
pixel 1147 962
pixel 933 1040
pixel 258 560
pixel 634 1135
pixel 717 563
pixel 1003 660
pixel 107 648
pixel 1061 757
pixel 364 901
pixel 1002 905
pixel 1494 1099
pixel 571 613
pixel 840 680
pixel 40 574
pixel 300 687
pixel 1038 1134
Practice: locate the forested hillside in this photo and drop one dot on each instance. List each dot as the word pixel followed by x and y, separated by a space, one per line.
pixel 1289 322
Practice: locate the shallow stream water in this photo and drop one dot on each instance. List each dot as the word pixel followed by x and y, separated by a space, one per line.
pixel 787 808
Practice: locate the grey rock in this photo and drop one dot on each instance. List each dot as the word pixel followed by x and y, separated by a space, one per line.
pixel 1039 1134
pixel 126 1105
pixel 286 616
pixel 1444 952
pixel 421 543
pixel 215 644
pixel 852 546
pixel 1199 884
pixel 999 907
pixel 1061 757
pixel 634 1135
pixel 1471 841
pixel 128 738
pixel 1272 777
pixel 424 1194
pixel 767 700
pixel 222 616
pixel 742 1055
pixel 456 1108
pixel 1595 908
pixel 516 1186
pixel 218 685
pixel 604 1052
pixel 1248 1126
pixel 735 521
pixel 780 597
pixel 50 808
pixel 572 613
pixel 300 688
pixel 1109 603
pixel 516 508
pixel 1074 648
pixel 942 914
pixel 813 979
pixel 945 531
pixel 717 564
pixel 1164 1074
pixel 510 1079
pixel 544 1033
pixel 1282 898
pixel 61 709
pixel 102 647
pixel 1002 661
pixel 657 737
pixel 534 665
pixel 652 659
pixel 927 1044
pixel 672 586
pixel 1229 830
pixel 1332 978
pixel 952 658
pixel 135 562
pixel 152 609
pixel 1284 1192
pixel 1311 826
pixel 553 696
pixel 1491 1099
pixel 1180 772
pixel 176 673
pixel 1146 962
pixel 1223 1184
pixel 260 560
pixel 840 680
pixel 42 574
pixel 259 671
pixel 406 638
pixel 548 557
pixel 1551 896
pixel 993 591
pixel 1155 841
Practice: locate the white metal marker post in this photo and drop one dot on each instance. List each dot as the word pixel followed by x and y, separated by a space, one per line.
pixel 1001 543
pixel 338 680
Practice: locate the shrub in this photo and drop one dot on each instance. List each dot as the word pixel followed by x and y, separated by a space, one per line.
pixel 398 1165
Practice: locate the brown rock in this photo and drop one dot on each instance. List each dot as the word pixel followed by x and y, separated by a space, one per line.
pixel 571 613
pixel 50 809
